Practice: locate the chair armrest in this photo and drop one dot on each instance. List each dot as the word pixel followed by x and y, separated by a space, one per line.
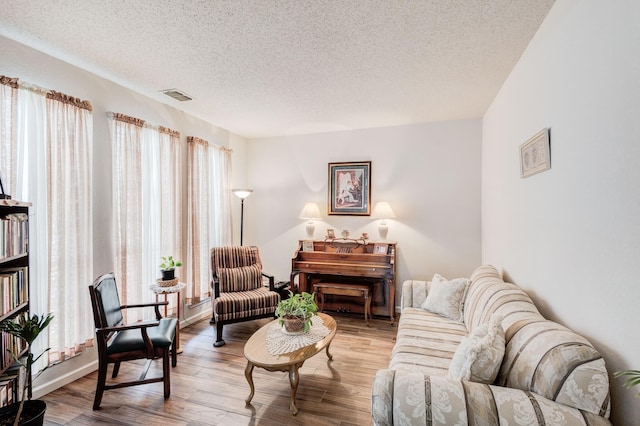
pixel 145 305
pixel 271 281
pixel 414 293
pixel 394 401
pixel 155 305
pixel 142 324
pixel 215 284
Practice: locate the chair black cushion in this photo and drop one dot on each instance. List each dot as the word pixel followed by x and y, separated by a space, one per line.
pixel 131 340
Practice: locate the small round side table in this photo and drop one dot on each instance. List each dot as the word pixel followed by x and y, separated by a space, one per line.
pixel 175 289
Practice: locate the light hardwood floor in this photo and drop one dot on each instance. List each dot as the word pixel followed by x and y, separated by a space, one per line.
pixel 208 386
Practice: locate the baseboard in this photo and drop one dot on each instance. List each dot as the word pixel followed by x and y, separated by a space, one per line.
pixel 198 316
pixel 41 389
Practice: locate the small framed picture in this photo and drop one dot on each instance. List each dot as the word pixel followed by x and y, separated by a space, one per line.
pixel 535 154
pixel 307 245
pixel 331 233
pixel 380 248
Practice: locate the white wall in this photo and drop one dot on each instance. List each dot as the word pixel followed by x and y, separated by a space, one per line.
pixel 429 174
pixel 571 236
pixel 17 60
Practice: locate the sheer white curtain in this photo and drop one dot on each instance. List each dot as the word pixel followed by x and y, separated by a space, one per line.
pixel 70 141
pixel 209 215
pixel 48 163
pixel 146 203
pixel 8 139
pixel 170 193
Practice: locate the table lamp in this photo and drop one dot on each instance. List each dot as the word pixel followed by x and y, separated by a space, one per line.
pixel 382 210
pixel 310 212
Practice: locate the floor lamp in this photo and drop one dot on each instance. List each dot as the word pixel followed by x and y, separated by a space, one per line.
pixel 242 194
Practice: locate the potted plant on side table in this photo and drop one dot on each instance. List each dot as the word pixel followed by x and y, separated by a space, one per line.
pixel 295 313
pixel 27 328
pixel 168 268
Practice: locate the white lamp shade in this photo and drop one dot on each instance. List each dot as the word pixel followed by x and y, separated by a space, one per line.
pixel 242 193
pixel 310 211
pixel 382 210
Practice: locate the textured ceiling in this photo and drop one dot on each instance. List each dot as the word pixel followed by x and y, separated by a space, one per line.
pixel 264 68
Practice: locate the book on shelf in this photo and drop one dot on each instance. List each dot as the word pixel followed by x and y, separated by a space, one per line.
pixel 14 290
pixel 14 235
pixel 11 381
pixel 11 345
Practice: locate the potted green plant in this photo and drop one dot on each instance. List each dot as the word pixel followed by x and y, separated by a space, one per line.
pixel 27 328
pixel 168 267
pixel 295 313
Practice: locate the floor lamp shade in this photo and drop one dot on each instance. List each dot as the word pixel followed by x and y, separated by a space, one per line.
pixel 310 212
pixel 242 194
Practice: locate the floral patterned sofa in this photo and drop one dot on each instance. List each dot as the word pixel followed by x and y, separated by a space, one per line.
pixel 548 375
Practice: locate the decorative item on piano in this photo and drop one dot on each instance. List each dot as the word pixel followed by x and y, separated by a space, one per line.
pixel 310 212
pixel 383 211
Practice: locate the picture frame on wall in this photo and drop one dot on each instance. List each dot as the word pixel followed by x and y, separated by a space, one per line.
pixel 535 155
pixel 350 188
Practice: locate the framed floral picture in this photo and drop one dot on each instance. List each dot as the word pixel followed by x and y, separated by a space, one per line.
pixel 350 188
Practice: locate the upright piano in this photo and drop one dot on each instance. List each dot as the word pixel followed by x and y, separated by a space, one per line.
pixel 347 261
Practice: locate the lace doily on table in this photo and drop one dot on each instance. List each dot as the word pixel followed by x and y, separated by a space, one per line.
pixel 173 289
pixel 279 342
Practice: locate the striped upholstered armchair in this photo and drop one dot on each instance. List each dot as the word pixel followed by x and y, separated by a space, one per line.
pixel 239 294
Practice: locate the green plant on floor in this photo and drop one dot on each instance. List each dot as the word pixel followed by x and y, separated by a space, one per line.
pixel 633 378
pixel 27 328
pixel 302 306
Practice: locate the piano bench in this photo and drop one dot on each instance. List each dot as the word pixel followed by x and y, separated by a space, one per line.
pixel 345 289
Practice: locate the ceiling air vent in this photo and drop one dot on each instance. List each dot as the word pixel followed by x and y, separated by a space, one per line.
pixel 177 95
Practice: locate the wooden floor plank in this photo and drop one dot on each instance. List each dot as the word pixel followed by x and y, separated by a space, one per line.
pixel 208 386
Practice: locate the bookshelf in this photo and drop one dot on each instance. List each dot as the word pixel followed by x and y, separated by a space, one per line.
pixel 14 290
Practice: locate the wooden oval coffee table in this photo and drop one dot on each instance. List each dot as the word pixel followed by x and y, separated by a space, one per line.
pixel 255 350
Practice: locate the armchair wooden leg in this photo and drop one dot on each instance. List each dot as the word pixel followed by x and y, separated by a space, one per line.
pixel 116 369
pixel 219 342
pixel 102 380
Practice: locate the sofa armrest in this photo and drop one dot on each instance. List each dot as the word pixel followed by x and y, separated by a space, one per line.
pixel 410 398
pixel 414 292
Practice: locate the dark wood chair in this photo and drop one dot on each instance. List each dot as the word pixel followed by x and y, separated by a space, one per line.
pixel 118 342
pixel 239 294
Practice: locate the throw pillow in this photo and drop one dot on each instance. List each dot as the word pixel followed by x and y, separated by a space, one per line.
pixel 242 278
pixel 446 298
pixel 479 356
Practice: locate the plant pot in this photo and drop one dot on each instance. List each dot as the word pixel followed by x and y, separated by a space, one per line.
pixel 294 325
pixel 32 413
pixel 168 274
